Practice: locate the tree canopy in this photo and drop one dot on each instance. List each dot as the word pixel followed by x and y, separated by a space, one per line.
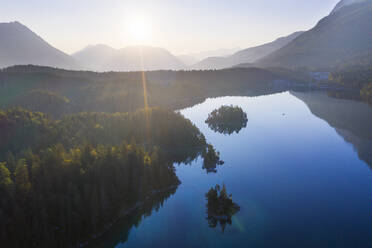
pixel 227 119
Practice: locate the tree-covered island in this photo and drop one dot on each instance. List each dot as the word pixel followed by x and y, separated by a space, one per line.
pixel 227 119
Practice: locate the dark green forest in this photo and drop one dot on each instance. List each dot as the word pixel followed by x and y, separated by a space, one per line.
pixel 62 181
pixel 23 130
pixel 357 79
pixel 57 92
pixel 58 197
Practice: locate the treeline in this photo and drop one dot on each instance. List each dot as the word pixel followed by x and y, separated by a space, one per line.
pixel 366 92
pixel 119 232
pixel 22 130
pixel 57 198
pixel 358 78
pixel 64 91
pixel 353 77
pixel 43 101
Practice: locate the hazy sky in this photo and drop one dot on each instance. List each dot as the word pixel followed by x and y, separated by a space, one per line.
pixel 181 26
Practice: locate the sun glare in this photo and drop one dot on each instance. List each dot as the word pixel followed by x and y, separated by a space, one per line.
pixel 139 29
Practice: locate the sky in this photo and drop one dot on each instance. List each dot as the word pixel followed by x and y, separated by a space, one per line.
pixel 181 26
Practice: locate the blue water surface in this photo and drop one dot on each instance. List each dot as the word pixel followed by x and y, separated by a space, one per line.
pixel 297 181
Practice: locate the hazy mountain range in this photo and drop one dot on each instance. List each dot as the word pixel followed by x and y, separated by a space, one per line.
pixel 187 59
pixel 19 45
pixel 343 36
pixel 248 55
pixel 133 58
pixel 193 58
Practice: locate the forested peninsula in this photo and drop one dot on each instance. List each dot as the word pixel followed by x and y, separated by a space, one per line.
pixel 63 181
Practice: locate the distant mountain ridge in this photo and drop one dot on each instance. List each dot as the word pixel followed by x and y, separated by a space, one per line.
pixel 344 3
pixel 245 56
pixel 337 38
pixel 187 59
pixel 223 52
pixel 20 46
pixel 341 39
pixel 132 58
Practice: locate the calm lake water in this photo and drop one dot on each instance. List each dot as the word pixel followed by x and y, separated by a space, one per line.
pixel 299 172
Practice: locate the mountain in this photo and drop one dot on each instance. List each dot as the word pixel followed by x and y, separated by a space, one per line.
pixel 344 3
pixel 223 52
pixel 245 56
pixel 250 55
pixel 96 57
pixel 214 63
pixel 133 58
pixel 187 59
pixel 20 46
pixel 342 35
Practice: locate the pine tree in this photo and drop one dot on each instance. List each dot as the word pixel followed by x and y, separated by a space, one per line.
pixel 22 180
pixel 6 183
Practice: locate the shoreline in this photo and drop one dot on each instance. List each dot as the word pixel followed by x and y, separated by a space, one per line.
pixel 123 213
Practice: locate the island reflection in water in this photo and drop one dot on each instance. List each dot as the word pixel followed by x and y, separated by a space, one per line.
pixel 220 207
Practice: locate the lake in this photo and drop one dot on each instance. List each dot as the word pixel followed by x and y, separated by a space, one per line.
pixel 300 172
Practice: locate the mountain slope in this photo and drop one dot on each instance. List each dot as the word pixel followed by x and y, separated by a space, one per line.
pixel 248 55
pixel 187 59
pixel 338 37
pixel 20 46
pixel 134 58
pixel 344 3
pixel 223 52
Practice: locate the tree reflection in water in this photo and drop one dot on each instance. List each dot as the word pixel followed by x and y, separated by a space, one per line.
pixel 119 232
pixel 220 207
pixel 211 159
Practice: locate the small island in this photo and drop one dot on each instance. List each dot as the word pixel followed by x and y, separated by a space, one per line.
pixel 227 119
pixel 211 159
pixel 220 207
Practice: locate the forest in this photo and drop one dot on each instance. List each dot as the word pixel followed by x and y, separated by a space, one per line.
pixel 355 78
pixel 63 181
pixel 23 130
pixel 58 197
pixel 57 92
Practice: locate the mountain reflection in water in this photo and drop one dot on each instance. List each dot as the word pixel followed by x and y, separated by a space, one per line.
pixel 351 119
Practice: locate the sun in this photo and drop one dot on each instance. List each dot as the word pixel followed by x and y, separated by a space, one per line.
pixel 139 30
